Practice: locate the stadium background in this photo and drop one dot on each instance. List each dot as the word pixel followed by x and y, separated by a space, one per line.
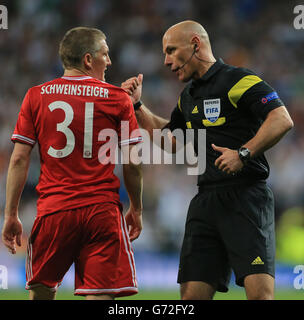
pixel 258 34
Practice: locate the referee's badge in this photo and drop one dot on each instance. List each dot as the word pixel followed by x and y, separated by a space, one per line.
pixel 212 109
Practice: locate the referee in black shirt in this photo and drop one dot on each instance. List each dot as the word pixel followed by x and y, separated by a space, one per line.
pixel 230 222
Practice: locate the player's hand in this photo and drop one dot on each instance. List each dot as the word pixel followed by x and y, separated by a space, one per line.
pixel 133 87
pixel 11 233
pixel 229 161
pixel 134 223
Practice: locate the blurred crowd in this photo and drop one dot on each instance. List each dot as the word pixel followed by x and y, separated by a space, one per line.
pixel 257 34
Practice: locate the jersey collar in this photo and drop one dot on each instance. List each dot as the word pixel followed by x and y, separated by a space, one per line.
pixel 76 77
pixel 211 71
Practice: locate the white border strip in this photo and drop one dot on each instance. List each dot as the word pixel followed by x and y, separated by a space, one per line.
pixel 25 139
pixel 36 285
pixel 106 290
pixel 128 249
pixel 77 78
pixel 27 261
pixel 30 261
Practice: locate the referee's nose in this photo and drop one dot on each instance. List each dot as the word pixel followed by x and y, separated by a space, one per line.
pixel 168 60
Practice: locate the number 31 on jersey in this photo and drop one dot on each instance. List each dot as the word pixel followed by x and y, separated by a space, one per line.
pixel 70 137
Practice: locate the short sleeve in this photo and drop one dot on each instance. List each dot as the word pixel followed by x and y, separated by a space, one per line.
pixel 129 132
pixel 252 93
pixel 261 99
pixel 24 130
pixel 177 120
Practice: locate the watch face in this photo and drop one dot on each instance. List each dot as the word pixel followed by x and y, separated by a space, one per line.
pixel 244 153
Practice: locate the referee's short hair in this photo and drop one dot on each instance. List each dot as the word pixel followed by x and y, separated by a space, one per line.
pixel 77 42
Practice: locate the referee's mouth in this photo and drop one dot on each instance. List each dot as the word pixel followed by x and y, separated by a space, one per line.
pixel 175 69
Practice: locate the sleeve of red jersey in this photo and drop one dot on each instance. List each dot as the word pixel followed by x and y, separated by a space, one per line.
pixel 25 131
pixel 129 132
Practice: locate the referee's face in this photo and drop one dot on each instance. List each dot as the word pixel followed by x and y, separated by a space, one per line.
pixel 178 56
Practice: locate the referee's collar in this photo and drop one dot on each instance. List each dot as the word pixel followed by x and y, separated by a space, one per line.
pixel 211 71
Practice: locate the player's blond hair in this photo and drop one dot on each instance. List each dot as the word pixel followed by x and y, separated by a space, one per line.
pixel 76 43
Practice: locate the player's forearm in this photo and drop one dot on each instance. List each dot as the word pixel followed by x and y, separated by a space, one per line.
pixel 133 180
pixel 276 125
pixel 16 178
pixel 149 121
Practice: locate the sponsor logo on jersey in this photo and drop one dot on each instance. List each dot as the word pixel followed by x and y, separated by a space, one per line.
pixel 257 260
pixel 195 110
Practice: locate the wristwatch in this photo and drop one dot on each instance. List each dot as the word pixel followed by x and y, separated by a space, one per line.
pixel 244 154
pixel 137 105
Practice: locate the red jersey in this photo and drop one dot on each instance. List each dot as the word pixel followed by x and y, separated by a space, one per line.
pixel 73 119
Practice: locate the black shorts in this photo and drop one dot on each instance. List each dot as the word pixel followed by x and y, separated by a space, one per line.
pixel 229 227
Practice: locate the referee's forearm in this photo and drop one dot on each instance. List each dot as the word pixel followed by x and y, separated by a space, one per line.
pixel 276 125
pixel 149 121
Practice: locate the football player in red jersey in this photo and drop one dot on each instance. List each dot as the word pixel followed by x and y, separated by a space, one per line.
pixel 79 214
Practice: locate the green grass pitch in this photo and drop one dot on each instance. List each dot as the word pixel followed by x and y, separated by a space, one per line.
pixel 233 294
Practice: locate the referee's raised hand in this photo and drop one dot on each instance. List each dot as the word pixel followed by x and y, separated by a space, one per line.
pixel 133 86
pixel 229 160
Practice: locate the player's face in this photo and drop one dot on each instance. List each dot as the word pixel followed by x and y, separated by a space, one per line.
pixel 177 54
pixel 100 62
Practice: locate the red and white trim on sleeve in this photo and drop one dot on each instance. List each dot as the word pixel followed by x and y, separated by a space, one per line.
pixel 18 137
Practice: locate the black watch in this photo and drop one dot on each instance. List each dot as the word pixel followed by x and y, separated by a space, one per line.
pixel 244 154
pixel 137 105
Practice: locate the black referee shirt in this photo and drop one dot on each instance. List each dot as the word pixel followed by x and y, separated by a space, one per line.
pixel 230 103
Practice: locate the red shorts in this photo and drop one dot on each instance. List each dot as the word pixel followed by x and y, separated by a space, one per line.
pixel 95 238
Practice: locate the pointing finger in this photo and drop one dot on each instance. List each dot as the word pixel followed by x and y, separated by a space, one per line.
pixel 219 149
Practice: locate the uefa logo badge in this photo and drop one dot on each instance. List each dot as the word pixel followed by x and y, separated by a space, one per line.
pixel 264 100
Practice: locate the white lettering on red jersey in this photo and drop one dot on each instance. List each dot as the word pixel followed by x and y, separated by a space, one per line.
pixel 65 117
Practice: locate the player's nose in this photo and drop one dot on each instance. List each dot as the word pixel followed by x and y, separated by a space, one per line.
pixel 109 62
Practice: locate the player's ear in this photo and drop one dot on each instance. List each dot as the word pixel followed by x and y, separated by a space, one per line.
pixel 87 61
